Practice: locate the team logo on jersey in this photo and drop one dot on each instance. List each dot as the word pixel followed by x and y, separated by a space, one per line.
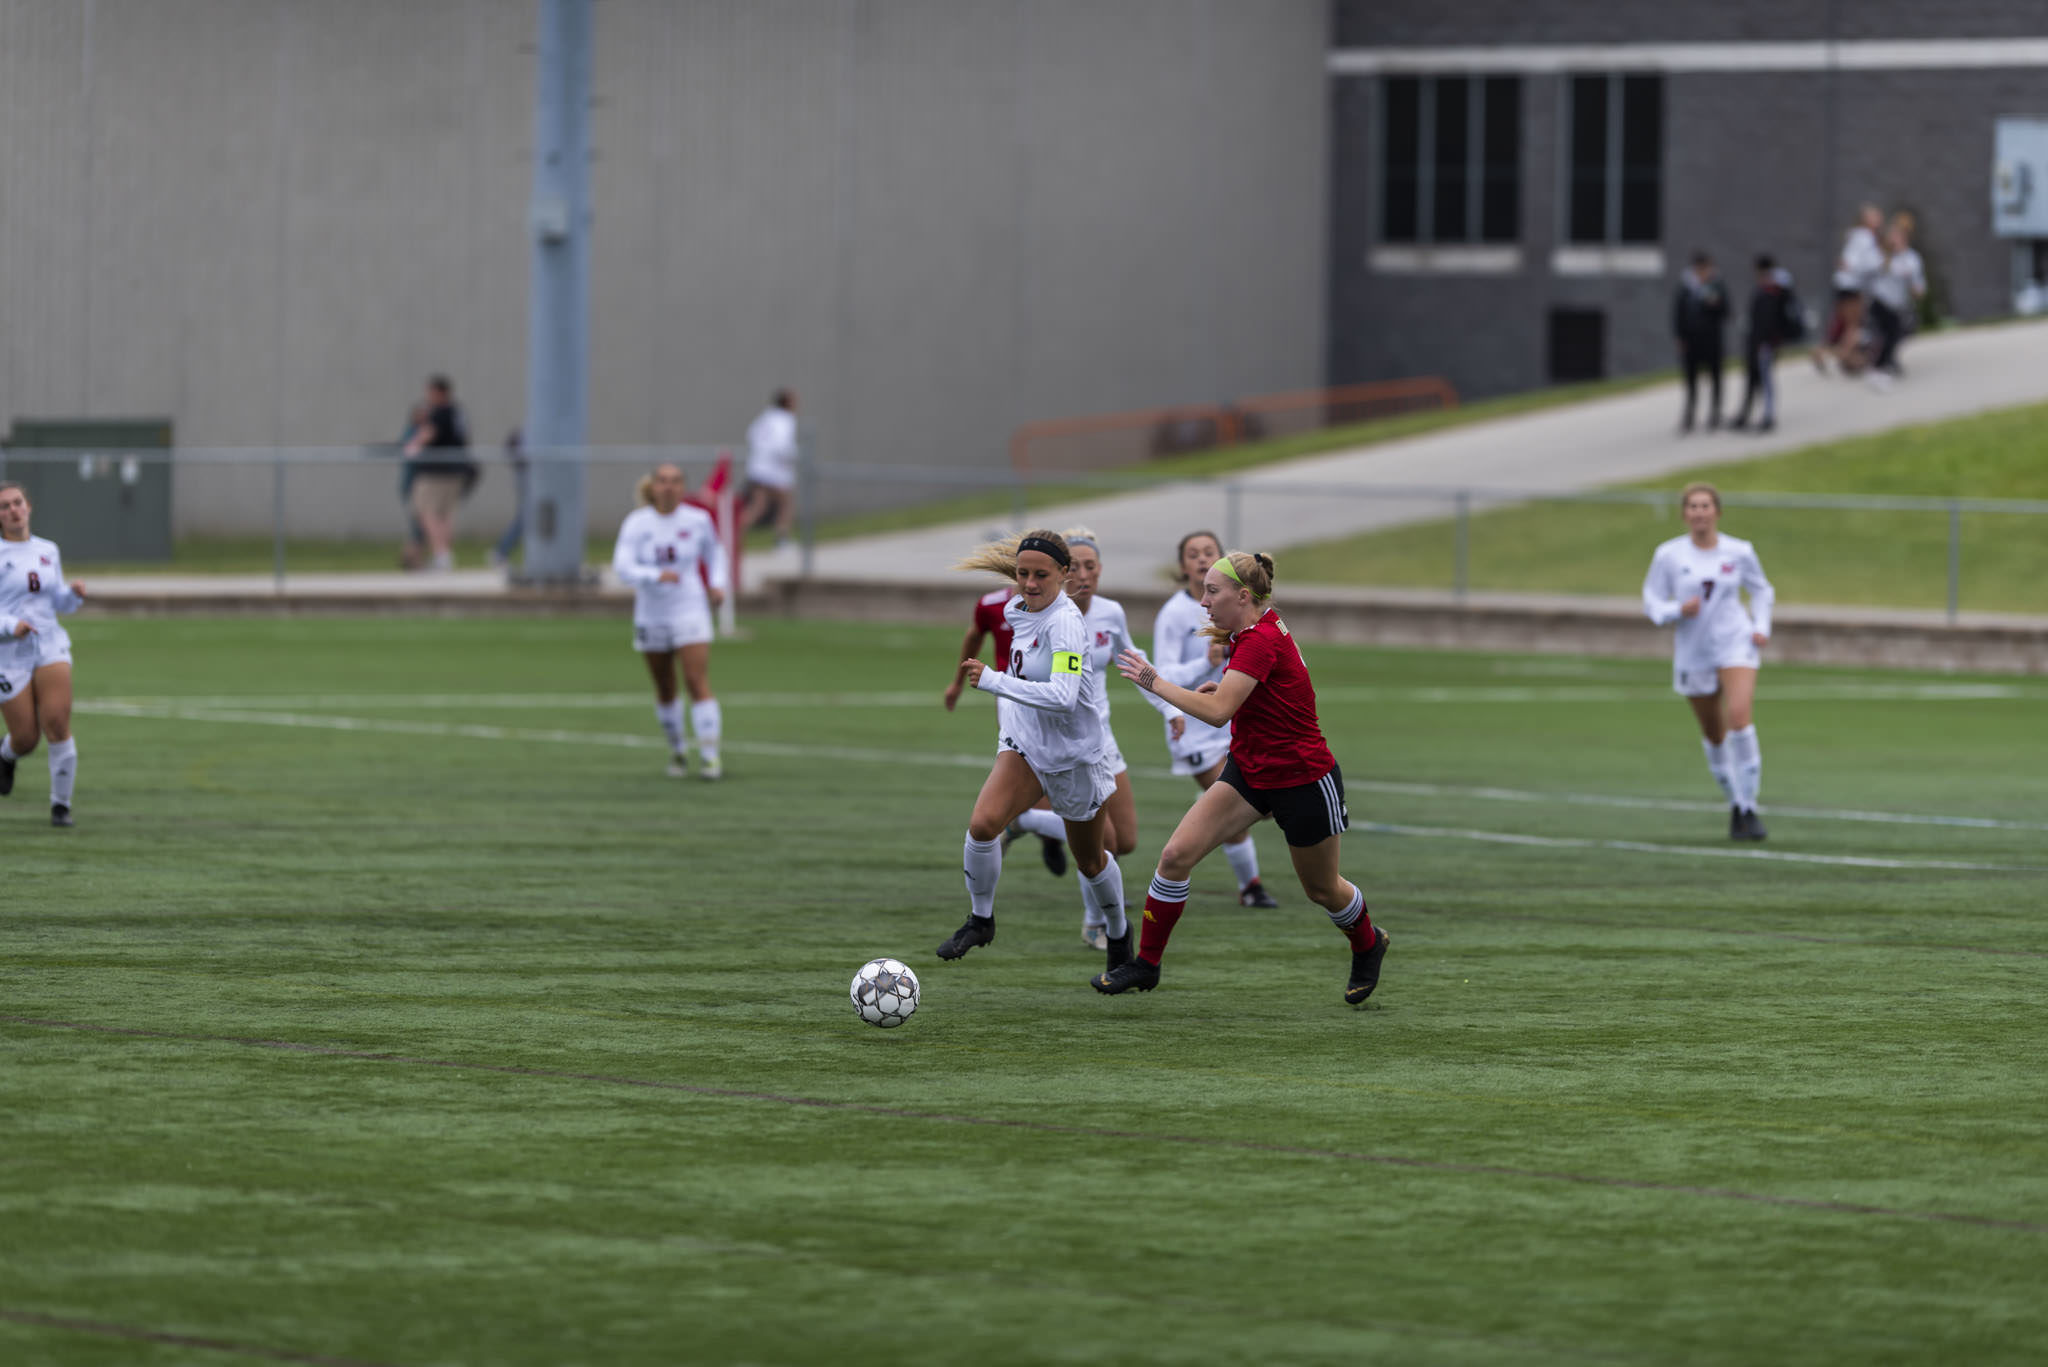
pixel 46 560
pixel 1727 567
pixel 1102 638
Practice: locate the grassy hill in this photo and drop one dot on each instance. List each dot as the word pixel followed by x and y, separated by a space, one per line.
pixel 1813 556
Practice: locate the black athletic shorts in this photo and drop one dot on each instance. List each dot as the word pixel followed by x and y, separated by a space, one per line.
pixel 1306 815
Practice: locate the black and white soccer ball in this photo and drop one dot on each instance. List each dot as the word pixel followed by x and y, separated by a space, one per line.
pixel 884 992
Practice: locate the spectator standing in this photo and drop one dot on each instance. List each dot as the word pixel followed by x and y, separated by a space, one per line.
pixel 1856 270
pixel 772 456
pixel 1897 288
pixel 1699 313
pixel 442 470
pixel 1774 320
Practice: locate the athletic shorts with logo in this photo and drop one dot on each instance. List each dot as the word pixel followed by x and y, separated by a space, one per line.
pixel 1699 675
pixel 1078 793
pixel 21 658
pixel 1307 814
pixel 690 629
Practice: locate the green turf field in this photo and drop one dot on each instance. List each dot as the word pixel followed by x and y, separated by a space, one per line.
pixel 1889 559
pixel 389 1006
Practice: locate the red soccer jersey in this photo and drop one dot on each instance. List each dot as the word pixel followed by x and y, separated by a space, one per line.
pixel 988 615
pixel 1275 737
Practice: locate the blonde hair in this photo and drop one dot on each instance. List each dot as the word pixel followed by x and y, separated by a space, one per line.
pixel 1073 534
pixel 1254 570
pixel 1000 557
pixel 1699 486
pixel 1904 221
pixel 643 492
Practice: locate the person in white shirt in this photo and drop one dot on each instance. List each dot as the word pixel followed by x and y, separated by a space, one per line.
pixel 1109 635
pixel 1897 288
pixel 667 550
pixel 1053 741
pixel 1696 581
pixel 1183 654
pixel 1856 269
pixel 772 459
pixel 35 652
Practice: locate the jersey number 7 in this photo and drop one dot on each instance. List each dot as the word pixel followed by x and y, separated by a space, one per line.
pixel 1706 590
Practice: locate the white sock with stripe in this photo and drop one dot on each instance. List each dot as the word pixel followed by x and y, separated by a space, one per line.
pixel 981 861
pixel 1244 861
pixel 1103 895
pixel 707 721
pixel 1348 917
pixel 670 715
pixel 1043 821
pixel 1166 890
pixel 63 770
pixel 7 749
pixel 1745 766
pixel 1717 765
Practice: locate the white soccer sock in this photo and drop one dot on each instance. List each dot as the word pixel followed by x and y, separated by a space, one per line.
pixel 1745 766
pixel 1353 909
pixel 1717 765
pixel 982 863
pixel 1091 914
pixel 707 721
pixel 1103 896
pixel 63 770
pixel 7 749
pixel 1043 821
pixel 670 715
pixel 1244 861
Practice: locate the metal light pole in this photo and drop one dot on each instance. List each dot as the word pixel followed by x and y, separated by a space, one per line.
pixel 558 308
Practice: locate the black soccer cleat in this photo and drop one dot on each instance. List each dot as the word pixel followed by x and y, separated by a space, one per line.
pixel 1735 829
pixel 1055 856
pixel 1365 969
pixel 1753 827
pixel 1132 975
pixel 979 930
pixel 1254 894
pixel 6 777
pixel 1120 951
pixel 60 815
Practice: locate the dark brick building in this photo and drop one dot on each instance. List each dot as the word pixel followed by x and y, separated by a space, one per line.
pixel 1515 185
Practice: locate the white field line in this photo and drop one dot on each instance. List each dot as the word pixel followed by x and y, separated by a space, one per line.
pixel 1456 694
pixel 1559 842
pixel 855 755
pixel 1665 804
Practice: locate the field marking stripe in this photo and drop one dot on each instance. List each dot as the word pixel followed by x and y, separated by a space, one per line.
pixel 1363 693
pixel 133 1333
pixel 1665 804
pixel 1570 842
pixel 1049 1127
pixel 856 755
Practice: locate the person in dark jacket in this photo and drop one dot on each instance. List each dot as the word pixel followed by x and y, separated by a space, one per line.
pixel 1774 320
pixel 1699 313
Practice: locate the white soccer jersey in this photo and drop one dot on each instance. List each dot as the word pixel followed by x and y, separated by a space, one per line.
pixel 1180 652
pixel 651 544
pixel 1680 570
pixel 32 590
pixel 1058 721
pixel 772 450
pixel 1861 260
pixel 1109 635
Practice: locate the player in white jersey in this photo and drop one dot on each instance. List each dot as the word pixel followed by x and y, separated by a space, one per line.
pixel 35 652
pixel 1696 581
pixel 1183 654
pixel 1109 635
pixel 1053 742
pixel 666 550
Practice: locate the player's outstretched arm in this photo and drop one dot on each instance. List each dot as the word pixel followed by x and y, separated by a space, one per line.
pixel 970 649
pixel 1215 704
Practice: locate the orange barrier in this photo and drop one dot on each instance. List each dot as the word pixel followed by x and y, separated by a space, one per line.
pixel 1110 440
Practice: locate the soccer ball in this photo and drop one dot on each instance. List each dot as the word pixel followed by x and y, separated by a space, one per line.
pixel 884 992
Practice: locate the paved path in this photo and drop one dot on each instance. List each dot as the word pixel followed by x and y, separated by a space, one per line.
pixel 1607 441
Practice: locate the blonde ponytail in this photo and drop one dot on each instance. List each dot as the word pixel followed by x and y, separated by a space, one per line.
pixel 1000 557
pixel 643 492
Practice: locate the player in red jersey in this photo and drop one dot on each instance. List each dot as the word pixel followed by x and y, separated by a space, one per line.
pixel 1279 766
pixel 989 622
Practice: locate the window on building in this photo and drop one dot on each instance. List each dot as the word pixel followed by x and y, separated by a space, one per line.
pixel 1451 160
pixel 1614 180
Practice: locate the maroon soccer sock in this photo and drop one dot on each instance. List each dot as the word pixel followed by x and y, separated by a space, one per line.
pixel 1356 922
pixel 1164 902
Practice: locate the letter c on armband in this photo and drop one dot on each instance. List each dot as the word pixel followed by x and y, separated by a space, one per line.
pixel 1066 662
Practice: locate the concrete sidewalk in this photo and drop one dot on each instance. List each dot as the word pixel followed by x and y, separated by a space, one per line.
pixel 1582 446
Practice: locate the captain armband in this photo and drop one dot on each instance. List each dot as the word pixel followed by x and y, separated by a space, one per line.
pixel 1066 662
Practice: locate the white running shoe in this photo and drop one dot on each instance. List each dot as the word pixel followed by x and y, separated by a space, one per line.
pixel 679 764
pixel 710 768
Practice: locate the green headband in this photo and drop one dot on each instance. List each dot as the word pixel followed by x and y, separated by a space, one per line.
pixel 1231 571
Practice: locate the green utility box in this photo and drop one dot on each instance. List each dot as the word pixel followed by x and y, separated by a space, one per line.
pixel 107 496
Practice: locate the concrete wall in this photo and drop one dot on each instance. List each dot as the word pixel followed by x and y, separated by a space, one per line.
pixel 1753 162
pixel 936 219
